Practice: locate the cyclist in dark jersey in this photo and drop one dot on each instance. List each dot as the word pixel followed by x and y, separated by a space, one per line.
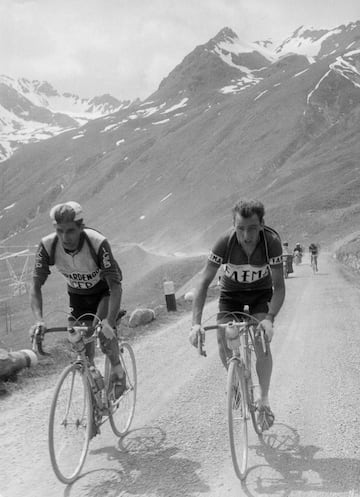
pixel 314 253
pixel 253 276
pixel 84 257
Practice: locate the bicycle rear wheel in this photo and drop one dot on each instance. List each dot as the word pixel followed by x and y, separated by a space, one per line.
pixel 122 410
pixel 70 424
pixel 237 419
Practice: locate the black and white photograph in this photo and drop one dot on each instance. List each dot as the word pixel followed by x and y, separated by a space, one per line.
pixel 179 248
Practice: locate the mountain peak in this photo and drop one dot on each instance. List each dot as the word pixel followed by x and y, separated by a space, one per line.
pixel 45 88
pixel 228 40
pixel 224 35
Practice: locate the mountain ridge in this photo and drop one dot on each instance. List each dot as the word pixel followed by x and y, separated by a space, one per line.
pixel 34 110
pixel 214 130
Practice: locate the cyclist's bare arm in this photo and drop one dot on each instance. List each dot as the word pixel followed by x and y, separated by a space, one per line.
pixel 114 299
pixel 206 277
pixel 36 300
pixel 278 290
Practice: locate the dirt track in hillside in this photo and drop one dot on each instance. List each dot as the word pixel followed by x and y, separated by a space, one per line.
pixel 178 443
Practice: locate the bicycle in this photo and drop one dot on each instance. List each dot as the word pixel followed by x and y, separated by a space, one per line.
pixel 313 263
pixel 83 400
pixel 241 334
pixel 285 266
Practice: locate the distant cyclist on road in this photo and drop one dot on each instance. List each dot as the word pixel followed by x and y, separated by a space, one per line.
pixel 314 253
pixel 298 253
pixel 287 258
pixel 253 276
pixel 84 257
pixel 298 248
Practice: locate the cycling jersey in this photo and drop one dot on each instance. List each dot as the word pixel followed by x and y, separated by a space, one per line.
pixel 84 274
pixel 313 249
pixel 243 272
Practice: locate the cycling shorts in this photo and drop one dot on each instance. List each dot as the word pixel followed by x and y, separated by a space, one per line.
pixel 236 301
pixel 81 304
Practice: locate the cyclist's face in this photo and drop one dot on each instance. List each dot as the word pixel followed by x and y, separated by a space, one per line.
pixel 69 235
pixel 248 230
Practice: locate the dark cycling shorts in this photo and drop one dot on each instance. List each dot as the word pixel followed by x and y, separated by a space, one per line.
pixel 235 302
pixel 81 304
pixel 85 305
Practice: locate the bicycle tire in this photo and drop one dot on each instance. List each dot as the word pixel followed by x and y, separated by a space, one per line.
pixel 313 265
pixel 122 410
pixel 237 411
pixel 252 386
pixel 70 424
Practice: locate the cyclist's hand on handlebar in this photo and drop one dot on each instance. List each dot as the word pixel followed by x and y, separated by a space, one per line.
pixel 36 332
pixel 107 329
pixel 37 329
pixel 194 334
pixel 268 327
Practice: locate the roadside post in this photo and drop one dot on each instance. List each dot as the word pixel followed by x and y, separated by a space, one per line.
pixel 169 292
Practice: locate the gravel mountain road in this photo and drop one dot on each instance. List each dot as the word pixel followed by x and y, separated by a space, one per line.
pixel 178 444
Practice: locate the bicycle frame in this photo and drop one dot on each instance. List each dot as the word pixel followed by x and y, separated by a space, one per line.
pixel 242 339
pixel 98 402
pixel 313 262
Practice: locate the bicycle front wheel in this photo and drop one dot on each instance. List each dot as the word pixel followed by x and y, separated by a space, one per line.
pixel 122 410
pixel 252 386
pixel 237 419
pixel 70 424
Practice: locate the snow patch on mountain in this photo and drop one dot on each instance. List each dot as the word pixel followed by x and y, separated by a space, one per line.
pixel 305 41
pixel 181 104
pixel 42 94
pixel 242 83
pixel 31 111
pixel 346 68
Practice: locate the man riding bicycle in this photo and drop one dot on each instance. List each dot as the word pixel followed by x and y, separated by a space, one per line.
pixel 314 252
pixel 298 252
pixel 84 257
pixel 298 248
pixel 253 276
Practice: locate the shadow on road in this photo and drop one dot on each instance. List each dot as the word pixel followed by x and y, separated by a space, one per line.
pixel 292 467
pixel 144 465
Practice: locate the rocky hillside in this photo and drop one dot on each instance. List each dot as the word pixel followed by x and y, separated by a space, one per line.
pixel 231 120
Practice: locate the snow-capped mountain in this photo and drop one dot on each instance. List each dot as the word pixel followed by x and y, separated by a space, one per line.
pixel 321 43
pixel 34 110
pixel 230 119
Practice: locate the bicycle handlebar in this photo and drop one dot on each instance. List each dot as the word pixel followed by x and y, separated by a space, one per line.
pixel 39 335
pixel 241 325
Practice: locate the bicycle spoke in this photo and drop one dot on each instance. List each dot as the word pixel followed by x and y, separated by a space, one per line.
pixel 122 410
pixel 70 424
pixel 252 385
pixel 237 419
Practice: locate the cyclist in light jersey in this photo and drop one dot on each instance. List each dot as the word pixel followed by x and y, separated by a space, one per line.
pixel 253 276
pixel 84 257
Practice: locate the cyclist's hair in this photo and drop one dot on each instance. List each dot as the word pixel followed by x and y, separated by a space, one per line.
pixel 247 208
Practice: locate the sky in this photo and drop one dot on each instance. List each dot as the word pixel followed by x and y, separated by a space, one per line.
pixel 126 47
